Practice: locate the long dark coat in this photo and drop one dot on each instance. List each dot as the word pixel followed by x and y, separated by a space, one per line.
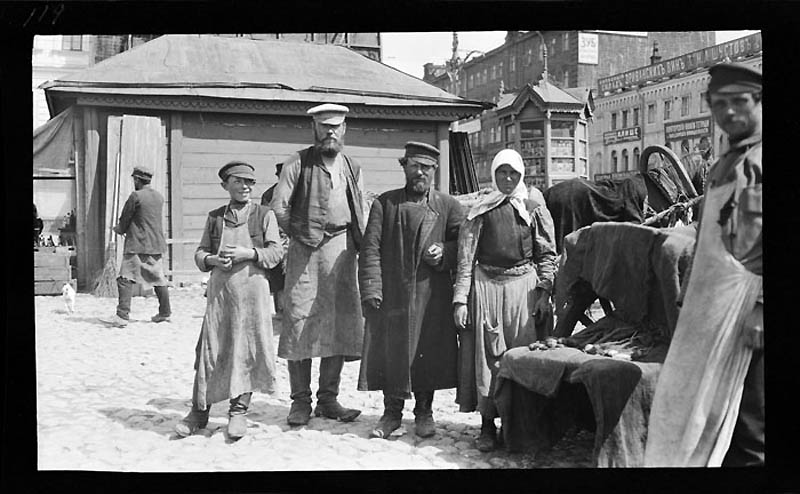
pixel 411 343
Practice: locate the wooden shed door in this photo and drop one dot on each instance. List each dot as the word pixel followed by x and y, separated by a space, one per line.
pixel 136 140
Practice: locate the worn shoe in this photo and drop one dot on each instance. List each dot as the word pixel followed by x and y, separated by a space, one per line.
pixel 299 413
pixel 116 321
pixel 237 426
pixel 425 426
pixel 196 420
pixel 487 441
pixel 334 410
pixel 385 426
pixel 159 318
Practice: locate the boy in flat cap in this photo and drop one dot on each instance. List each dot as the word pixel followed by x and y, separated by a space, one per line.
pixel 318 203
pixel 708 408
pixel 140 222
pixel 235 353
pixel 405 267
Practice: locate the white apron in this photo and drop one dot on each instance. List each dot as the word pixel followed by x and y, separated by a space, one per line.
pixel 700 385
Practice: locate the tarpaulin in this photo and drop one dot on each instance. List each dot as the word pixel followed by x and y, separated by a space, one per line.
pixel 53 146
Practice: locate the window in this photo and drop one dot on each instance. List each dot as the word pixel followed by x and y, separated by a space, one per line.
pixel 635 117
pixel 491 135
pixel 624 119
pixel 635 158
pixel 703 102
pixel 485 75
pixel 510 132
pixel 566 78
pixel 651 113
pixel 624 159
pixel 685 102
pixel 512 64
pixel 614 121
pixel 566 41
pixel 469 81
pixel 529 56
pixel 72 43
pixel 667 109
pixel 614 161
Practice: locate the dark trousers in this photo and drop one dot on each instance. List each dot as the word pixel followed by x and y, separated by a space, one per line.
pixel 125 289
pixel 393 405
pixel 747 443
pixel 330 370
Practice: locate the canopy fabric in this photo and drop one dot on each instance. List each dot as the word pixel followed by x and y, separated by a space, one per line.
pixel 53 145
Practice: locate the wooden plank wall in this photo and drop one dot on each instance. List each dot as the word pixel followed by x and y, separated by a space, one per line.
pixel 206 141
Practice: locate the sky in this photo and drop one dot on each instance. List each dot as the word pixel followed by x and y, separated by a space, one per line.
pixel 410 51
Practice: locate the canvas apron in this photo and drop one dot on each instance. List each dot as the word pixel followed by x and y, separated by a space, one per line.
pixel 700 386
pixel 236 352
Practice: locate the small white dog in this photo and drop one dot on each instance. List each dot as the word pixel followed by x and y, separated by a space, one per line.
pixel 68 294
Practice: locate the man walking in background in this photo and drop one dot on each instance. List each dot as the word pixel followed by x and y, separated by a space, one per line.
pixel 141 224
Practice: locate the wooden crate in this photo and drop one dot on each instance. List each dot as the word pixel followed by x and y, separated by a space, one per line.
pixel 52 287
pixel 51 270
pixel 50 259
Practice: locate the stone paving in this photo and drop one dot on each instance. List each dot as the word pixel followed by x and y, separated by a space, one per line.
pixel 108 399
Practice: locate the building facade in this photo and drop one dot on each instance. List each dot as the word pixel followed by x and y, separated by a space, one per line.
pixel 662 103
pixel 575 59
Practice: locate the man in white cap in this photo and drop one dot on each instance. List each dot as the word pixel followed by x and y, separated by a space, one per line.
pixel 318 203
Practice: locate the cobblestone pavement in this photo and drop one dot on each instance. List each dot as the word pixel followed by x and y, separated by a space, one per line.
pixel 108 399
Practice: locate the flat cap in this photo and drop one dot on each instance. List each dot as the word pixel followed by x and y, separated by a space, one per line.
pixel 421 153
pixel 329 113
pixel 237 169
pixel 142 171
pixel 734 78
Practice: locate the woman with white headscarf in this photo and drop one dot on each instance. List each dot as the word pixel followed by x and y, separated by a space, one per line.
pixel 506 265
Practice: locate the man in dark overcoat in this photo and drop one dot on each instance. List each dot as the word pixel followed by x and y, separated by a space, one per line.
pixel 408 253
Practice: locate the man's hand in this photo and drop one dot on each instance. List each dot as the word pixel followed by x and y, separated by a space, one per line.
pixel 116 230
pixel 542 308
pixel 372 304
pixel 753 328
pixel 433 254
pixel 237 253
pixel 223 263
pixel 460 315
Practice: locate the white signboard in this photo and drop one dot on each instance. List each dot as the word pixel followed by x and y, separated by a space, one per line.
pixel 587 48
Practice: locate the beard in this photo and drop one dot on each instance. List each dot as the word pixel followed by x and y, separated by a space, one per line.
pixel 418 187
pixel 330 147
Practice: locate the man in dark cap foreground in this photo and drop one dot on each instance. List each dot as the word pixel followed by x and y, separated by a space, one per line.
pixel 318 203
pixel 235 353
pixel 708 408
pixel 140 222
pixel 405 266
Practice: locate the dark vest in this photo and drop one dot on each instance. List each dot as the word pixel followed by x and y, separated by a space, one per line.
pixel 309 202
pixel 255 225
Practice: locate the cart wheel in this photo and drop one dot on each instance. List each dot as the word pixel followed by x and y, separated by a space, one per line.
pixel 673 160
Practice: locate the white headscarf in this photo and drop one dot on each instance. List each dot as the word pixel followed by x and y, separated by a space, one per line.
pixel 495 197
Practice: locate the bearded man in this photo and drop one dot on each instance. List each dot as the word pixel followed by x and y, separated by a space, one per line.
pixel 318 203
pixel 405 267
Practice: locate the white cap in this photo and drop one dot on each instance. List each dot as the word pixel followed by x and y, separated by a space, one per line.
pixel 329 113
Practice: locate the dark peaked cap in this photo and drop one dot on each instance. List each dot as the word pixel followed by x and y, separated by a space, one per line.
pixel 728 78
pixel 237 169
pixel 421 153
pixel 142 172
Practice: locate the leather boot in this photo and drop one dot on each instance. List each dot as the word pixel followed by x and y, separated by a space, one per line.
pixel 300 384
pixel 423 414
pixel 391 419
pixel 237 421
pixel 487 441
pixel 196 420
pixel 330 370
